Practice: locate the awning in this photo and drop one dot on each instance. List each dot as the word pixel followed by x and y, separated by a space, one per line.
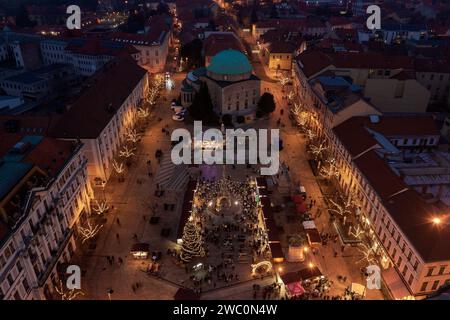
pixel 313 236
pixel 395 285
pixel 295 289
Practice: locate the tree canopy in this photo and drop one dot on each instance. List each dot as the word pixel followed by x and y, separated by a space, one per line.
pixel 202 106
pixel 266 104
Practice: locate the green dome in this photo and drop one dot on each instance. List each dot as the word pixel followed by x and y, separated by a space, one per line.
pixel 230 62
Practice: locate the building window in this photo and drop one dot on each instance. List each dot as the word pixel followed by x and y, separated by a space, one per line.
pixel 435 285
pixel 424 286
pixel 430 271
pixel 441 270
pixel 410 280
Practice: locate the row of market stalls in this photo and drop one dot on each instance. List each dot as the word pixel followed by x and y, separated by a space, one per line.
pixel 140 250
pixel 270 224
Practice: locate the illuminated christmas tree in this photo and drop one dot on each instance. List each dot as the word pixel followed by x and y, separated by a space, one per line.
pixel 192 242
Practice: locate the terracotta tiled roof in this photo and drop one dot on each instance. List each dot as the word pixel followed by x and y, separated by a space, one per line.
pixel 357 139
pixel 380 176
pixel 93 110
pixel 219 42
pixel 315 61
pixel 407 208
pixel 414 216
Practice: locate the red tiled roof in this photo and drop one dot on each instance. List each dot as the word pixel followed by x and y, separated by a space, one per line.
pixel 413 216
pixel 51 155
pixel 33 125
pixel 380 176
pixel 93 110
pixel 93 46
pixel 281 47
pixel 315 61
pixel 404 75
pixel 357 139
pixel 219 42
pixel 352 135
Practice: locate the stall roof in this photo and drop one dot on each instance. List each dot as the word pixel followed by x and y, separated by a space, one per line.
pixel 309 273
pixel 291 277
pixel 140 247
pixel 313 236
pixel 276 250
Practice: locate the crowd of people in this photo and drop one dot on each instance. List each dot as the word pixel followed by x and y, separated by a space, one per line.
pixel 226 213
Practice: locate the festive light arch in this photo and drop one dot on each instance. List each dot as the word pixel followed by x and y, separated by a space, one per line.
pixel 266 263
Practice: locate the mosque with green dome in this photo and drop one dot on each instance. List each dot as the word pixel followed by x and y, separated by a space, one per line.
pixel 233 87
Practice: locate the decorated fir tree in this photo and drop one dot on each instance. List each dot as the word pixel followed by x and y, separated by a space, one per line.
pixel 192 242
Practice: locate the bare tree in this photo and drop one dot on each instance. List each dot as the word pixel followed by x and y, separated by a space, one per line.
pixel 118 167
pixel 343 209
pixel 89 231
pixel 133 136
pixel 67 294
pixel 318 149
pixel 368 254
pixel 101 207
pixel 329 170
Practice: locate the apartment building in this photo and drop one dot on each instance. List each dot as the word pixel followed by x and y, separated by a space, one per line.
pixel 408 236
pixel 331 100
pixel 87 56
pixel 40 84
pixel 434 74
pixel 387 81
pixel 22 48
pixel 107 110
pixel 44 195
pixel 153 44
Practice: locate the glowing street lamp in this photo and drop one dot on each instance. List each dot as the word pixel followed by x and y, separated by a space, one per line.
pixel 437 220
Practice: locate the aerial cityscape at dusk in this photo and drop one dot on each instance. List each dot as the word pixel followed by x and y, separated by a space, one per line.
pixel 225 150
